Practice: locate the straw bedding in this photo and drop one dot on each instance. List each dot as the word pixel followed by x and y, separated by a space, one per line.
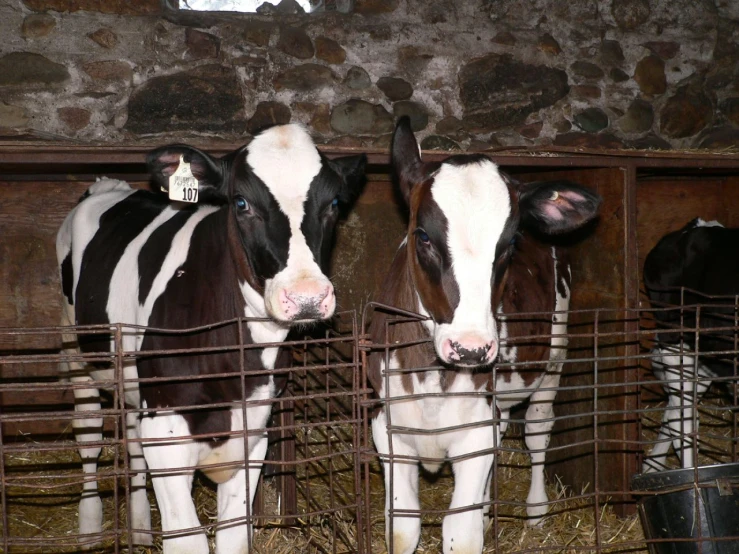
pixel 52 512
pixel 46 508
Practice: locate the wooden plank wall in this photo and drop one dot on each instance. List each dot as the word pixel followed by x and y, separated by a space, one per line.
pixel 30 214
pixel 666 203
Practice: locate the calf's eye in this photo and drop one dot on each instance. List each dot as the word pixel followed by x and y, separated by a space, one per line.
pixel 241 204
pixel 422 236
pixel 335 202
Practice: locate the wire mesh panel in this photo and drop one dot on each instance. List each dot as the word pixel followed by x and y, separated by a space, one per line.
pixel 308 499
pixel 324 489
pixel 607 420
pixel 693 359
pixel 326 392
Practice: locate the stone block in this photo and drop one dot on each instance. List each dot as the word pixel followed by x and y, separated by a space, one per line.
pixel 296 43
pixel 25 68
pixel 109 70
pixel 395 88
pixel 305 77
pixel 75 119
pixel 650 75
pixel 37 25
pixel 268 114
pixel 329 51
pixel 201 45
pixel 498 91
pixel 205 99
pixel 358 117
pixel 104 37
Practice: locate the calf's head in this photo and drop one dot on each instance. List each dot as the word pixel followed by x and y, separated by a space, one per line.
pixel 283 199
pixel 464 218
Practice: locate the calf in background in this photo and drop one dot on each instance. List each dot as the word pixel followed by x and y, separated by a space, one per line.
pixel 703 259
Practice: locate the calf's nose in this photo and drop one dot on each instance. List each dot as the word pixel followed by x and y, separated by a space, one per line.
pixel 470 353
pixel 308 300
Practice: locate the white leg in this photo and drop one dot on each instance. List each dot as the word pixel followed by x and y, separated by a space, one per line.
pixel 235 537
pixel 463 532
pixel 539 423
pixel 505 416
pixel 139 510
pixel 404 530
pixel 486 500
pixel 657 457
pixel 86 430
pixel 684 392
pixel 540 413
pixel 174 490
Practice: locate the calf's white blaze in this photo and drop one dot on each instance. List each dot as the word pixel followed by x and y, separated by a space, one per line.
pixel 274 156
pixel 477 204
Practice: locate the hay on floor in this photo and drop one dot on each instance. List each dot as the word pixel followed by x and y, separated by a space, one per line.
pixel 51 512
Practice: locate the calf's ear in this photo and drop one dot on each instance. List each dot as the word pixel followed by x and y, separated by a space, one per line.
pixel 351 171
pixel 405 158
pixel 163 162
pixel 556 207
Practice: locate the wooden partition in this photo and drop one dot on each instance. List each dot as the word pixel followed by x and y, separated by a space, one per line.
pixel 668 199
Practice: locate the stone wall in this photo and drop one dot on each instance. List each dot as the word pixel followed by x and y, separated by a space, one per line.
pixel 473 74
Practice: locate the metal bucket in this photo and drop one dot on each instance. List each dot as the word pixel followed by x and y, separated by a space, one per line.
pixel 698 505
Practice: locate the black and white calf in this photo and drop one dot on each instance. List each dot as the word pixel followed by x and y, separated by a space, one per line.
pixel 256 243
pixel 703 257
pixel 470 258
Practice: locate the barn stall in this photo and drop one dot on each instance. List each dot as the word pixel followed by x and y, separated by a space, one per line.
pixel 323 488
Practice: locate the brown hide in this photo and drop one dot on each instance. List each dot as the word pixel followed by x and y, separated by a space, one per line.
pixel 527 286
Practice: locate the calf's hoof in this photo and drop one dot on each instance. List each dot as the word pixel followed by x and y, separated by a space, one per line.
pixel 536 516
pixel 463 533
pixel 91 522
pixel 402 544
pixel 142 539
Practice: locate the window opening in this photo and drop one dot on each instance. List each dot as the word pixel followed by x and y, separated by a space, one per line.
pixel 252 6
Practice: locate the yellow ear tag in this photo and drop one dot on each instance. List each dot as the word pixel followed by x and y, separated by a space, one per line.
pixel 183 186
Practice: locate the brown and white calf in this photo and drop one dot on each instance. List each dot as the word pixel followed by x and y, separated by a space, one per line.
pixel 255 242
pixel 470 257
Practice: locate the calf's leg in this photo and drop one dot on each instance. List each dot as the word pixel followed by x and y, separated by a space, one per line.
pixel 538 429
pixel 684 391
pixel 140 509
pixel 402 532
pixel 463 532
pixel 503 427
pixel 173 486
pixel 234 538
pixel 86 430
